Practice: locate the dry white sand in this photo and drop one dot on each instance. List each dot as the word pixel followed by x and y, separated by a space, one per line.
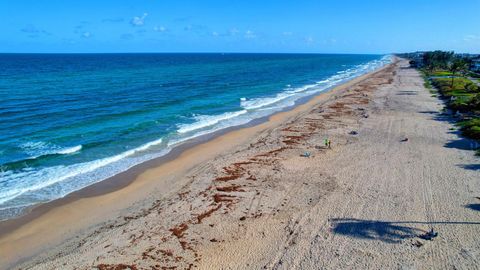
pixel 365 203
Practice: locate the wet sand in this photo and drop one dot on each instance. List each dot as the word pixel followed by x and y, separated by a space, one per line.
pixel 248 199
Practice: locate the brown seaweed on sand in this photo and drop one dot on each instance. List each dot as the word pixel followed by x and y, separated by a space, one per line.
pixel 207 213
pixel 179 231
pixel 116 267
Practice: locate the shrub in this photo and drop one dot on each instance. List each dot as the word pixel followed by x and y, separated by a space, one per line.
pixel 474 103
pixel 441 73
pixel 471 87
pixel 471 128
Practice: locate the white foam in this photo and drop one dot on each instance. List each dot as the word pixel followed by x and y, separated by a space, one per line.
pixel 339 77
pixel 37 149
pixel 74 177
pixel 256 103
pixel 203 121
pixel 69 150
pixel 260 103
pixel 51 175
pixel 229 123
pixel 323 81
pixel 148 145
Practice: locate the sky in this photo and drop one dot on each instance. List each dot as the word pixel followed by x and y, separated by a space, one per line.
pixel 276 26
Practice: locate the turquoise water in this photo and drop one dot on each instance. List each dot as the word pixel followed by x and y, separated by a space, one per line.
pixel 70 120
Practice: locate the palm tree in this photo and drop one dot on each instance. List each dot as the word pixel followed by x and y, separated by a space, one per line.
pixel 457 65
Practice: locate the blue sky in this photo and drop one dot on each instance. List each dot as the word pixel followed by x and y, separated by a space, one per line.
pixel 239 26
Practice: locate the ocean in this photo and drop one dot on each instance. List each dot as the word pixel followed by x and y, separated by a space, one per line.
pixel 70 120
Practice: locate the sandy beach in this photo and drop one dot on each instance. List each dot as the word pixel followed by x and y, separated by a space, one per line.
pixel 251 199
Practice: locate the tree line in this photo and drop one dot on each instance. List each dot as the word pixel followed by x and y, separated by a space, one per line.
pixel 445 60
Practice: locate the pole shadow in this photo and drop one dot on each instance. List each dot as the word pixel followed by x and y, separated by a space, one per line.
pixel 473 206
pixel 385 231
pixel 472 167
pixel 374 230
pixel 461 142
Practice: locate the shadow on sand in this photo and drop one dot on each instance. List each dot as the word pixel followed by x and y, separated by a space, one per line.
pixel 430 112
pixel 385 231
pixel 461 142
pixel 473 206
pixel 374 230
pixel 407 93
pixel 472 167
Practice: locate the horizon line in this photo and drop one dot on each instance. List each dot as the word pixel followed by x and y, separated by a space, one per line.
pixel 198 53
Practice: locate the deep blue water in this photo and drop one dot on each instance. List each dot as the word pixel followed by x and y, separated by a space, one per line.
pixel 70 120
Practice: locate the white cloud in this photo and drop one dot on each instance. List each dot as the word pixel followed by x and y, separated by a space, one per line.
pixel 471 38
pixel 113 20
pixel 287 33
pixel 86 34
pixel 229 33
pixel 249 34
pixel 233 31
pixel 159 29
pixel 33 31
pixel 139 21
pixel 197 28
pixel 309 40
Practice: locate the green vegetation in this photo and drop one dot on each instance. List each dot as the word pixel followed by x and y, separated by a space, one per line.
pixel 471 128
pixel 437 60
pixel 446 73
pixel 427 84
pixel 440 63
pixel 440 73
pixel 463 94
pixel 473 74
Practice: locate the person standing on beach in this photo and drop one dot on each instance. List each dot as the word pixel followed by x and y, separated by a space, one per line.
pixel 328 143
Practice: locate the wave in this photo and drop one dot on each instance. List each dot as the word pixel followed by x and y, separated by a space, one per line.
pixel 258 107
pixel 147 145
pixel 203 121
pixel 234 121
pixel 22 186
pixel 35 150
pixel 51 175
pixel 69 150
pixel 339 77
pixel 255 103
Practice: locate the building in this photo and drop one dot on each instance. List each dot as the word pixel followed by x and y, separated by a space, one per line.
pixel 475 66
pixel 416 59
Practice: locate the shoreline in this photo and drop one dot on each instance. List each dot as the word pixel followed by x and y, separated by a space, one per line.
pixel 139 178
pixel 124 178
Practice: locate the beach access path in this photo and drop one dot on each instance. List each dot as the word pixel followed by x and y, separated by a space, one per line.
pixel 369 202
